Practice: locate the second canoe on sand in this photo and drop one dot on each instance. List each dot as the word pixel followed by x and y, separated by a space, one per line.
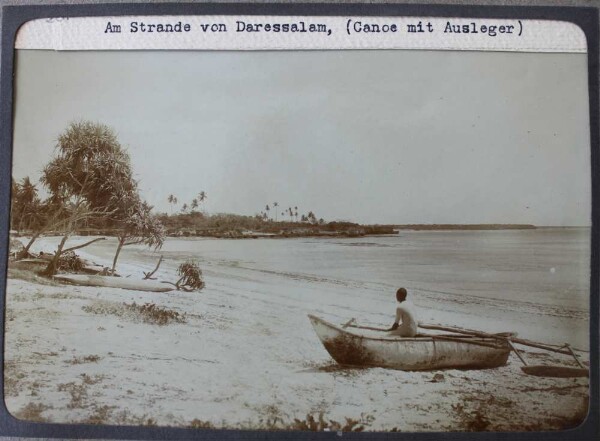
pixel 113 282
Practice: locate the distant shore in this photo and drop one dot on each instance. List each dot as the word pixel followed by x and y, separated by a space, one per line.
pixel 332 229
pixel 466 227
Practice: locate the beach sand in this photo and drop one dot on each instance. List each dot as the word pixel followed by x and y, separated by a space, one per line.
pixel 246 357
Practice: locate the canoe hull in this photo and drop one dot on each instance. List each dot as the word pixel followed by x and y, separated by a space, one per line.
pixel 409 354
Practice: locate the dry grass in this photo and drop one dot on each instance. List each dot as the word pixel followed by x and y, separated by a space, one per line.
pixel 476 413
pixel 320 424
pixel 100 415
pixel 78 393
pixel 33 412
pixel 199 424
pixel 13 379
pixel 562 423
pixel 146 313
pixel 82 359
pixel 311 423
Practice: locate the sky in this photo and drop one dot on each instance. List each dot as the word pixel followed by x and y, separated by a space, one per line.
pixel 390 136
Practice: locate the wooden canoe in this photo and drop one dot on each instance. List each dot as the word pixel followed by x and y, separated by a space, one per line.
pixel 114 282
pixel 430 352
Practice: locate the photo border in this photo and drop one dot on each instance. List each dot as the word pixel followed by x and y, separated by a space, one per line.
pixel 15 16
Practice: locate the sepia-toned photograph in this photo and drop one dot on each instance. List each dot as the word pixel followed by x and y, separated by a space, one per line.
pixel 318 240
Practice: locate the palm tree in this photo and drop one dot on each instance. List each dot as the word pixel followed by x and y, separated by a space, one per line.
pixel 172 201
pixel 296 213
pixel 267 210
pixel 202 196
pixel 26 197
pixel 194 204
pixel 184 208
pixel 275 204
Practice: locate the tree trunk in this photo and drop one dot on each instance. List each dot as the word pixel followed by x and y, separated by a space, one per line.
pixel 53 265
pixel 149 275
pixel 24 253
pixel 114 265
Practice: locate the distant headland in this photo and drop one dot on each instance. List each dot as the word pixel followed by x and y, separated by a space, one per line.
pixel 465 227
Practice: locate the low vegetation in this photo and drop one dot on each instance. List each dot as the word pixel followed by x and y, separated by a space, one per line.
pixel 33 412
pixel 84 359
pixel 152 314
pixel 311 423
pixel 320 424
pixel 147 313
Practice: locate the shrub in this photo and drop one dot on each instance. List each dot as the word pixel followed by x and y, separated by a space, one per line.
pixel 191 276
pixel 70 262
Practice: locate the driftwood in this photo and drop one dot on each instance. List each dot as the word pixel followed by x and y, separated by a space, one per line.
pixel 112 282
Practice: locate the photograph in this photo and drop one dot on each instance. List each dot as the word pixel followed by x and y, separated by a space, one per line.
pixel 300 240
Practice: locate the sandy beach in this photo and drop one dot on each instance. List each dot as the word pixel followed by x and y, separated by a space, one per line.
pixel 241 353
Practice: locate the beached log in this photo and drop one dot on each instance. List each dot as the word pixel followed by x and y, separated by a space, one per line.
pixel 113 282
pixel 95 269
pixel 29 264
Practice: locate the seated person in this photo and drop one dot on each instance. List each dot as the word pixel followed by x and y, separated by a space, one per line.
pixel 405 324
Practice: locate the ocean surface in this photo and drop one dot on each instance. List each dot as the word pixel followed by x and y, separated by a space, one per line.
pixel 506 280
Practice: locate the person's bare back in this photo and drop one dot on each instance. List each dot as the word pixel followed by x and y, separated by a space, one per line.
pixel 405 324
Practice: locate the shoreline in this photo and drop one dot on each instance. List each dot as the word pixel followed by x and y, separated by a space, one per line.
pixel 81 355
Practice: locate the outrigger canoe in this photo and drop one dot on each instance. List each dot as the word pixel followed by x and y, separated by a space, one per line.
pixel 426 352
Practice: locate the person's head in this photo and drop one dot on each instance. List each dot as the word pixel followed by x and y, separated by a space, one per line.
pixel 401 294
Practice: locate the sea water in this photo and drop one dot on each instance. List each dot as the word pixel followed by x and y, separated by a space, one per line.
pixel 535 282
